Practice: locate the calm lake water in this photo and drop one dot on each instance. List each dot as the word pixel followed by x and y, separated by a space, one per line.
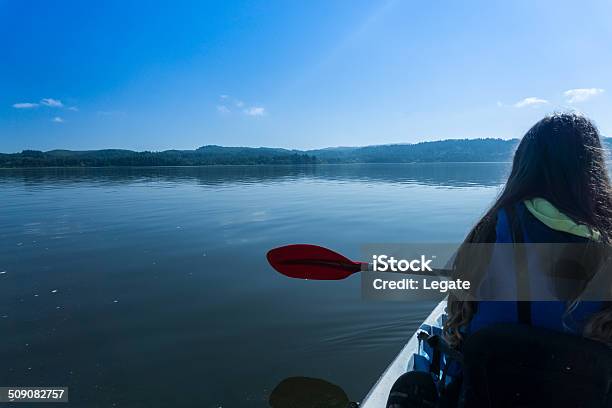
pixel 149 287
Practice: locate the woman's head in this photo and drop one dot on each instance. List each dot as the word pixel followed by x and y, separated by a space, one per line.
pixel 561 160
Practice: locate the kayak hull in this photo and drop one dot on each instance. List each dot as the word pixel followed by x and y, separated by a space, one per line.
pixel 377 397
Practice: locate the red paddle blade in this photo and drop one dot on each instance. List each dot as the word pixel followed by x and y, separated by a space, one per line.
pixel 305 261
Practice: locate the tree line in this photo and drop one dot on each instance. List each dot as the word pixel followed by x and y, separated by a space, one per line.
pixel 452 150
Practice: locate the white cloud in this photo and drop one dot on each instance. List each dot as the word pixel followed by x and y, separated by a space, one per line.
pixel 222 109
pixel 25 105
pixel 581 94
pixel 54 103
pixel 57 119
pixel 229 104
pixel 73 108
pixel 531 101
pixel 255 111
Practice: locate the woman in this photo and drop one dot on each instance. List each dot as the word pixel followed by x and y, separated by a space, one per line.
pixel 558 192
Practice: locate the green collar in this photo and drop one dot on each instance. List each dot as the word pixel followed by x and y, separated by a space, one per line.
pixel 555 219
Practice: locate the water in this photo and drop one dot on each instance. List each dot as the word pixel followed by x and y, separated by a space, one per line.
pixel 148 287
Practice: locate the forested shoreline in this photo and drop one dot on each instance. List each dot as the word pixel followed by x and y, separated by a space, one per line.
pixel 452 150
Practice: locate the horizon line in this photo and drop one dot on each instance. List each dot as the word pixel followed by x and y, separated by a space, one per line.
pixel 267 147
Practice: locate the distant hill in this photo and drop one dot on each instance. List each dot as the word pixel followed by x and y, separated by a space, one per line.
pixel 452 150
pixel 206 155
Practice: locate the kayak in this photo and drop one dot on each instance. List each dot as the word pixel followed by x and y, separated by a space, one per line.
pixel 377 397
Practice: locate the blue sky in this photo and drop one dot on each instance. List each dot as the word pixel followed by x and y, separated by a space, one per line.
pixel 298 74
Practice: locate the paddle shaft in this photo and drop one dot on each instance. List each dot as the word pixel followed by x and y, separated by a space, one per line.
pixel 440 272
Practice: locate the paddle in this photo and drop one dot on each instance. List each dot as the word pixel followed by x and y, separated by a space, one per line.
pixel 304 261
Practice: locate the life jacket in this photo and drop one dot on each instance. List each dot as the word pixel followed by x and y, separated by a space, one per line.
pixel 545 314
pixel 445 364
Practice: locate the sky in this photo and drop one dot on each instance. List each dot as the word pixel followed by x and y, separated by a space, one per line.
pixel 159 75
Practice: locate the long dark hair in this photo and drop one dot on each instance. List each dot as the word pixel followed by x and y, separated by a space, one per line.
pixel 560 159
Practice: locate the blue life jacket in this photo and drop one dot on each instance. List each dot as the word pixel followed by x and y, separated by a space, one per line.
pixel 501 273
pixel 545 314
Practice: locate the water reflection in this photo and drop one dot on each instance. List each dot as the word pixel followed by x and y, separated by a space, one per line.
pixel 305 392
pixel 434 174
